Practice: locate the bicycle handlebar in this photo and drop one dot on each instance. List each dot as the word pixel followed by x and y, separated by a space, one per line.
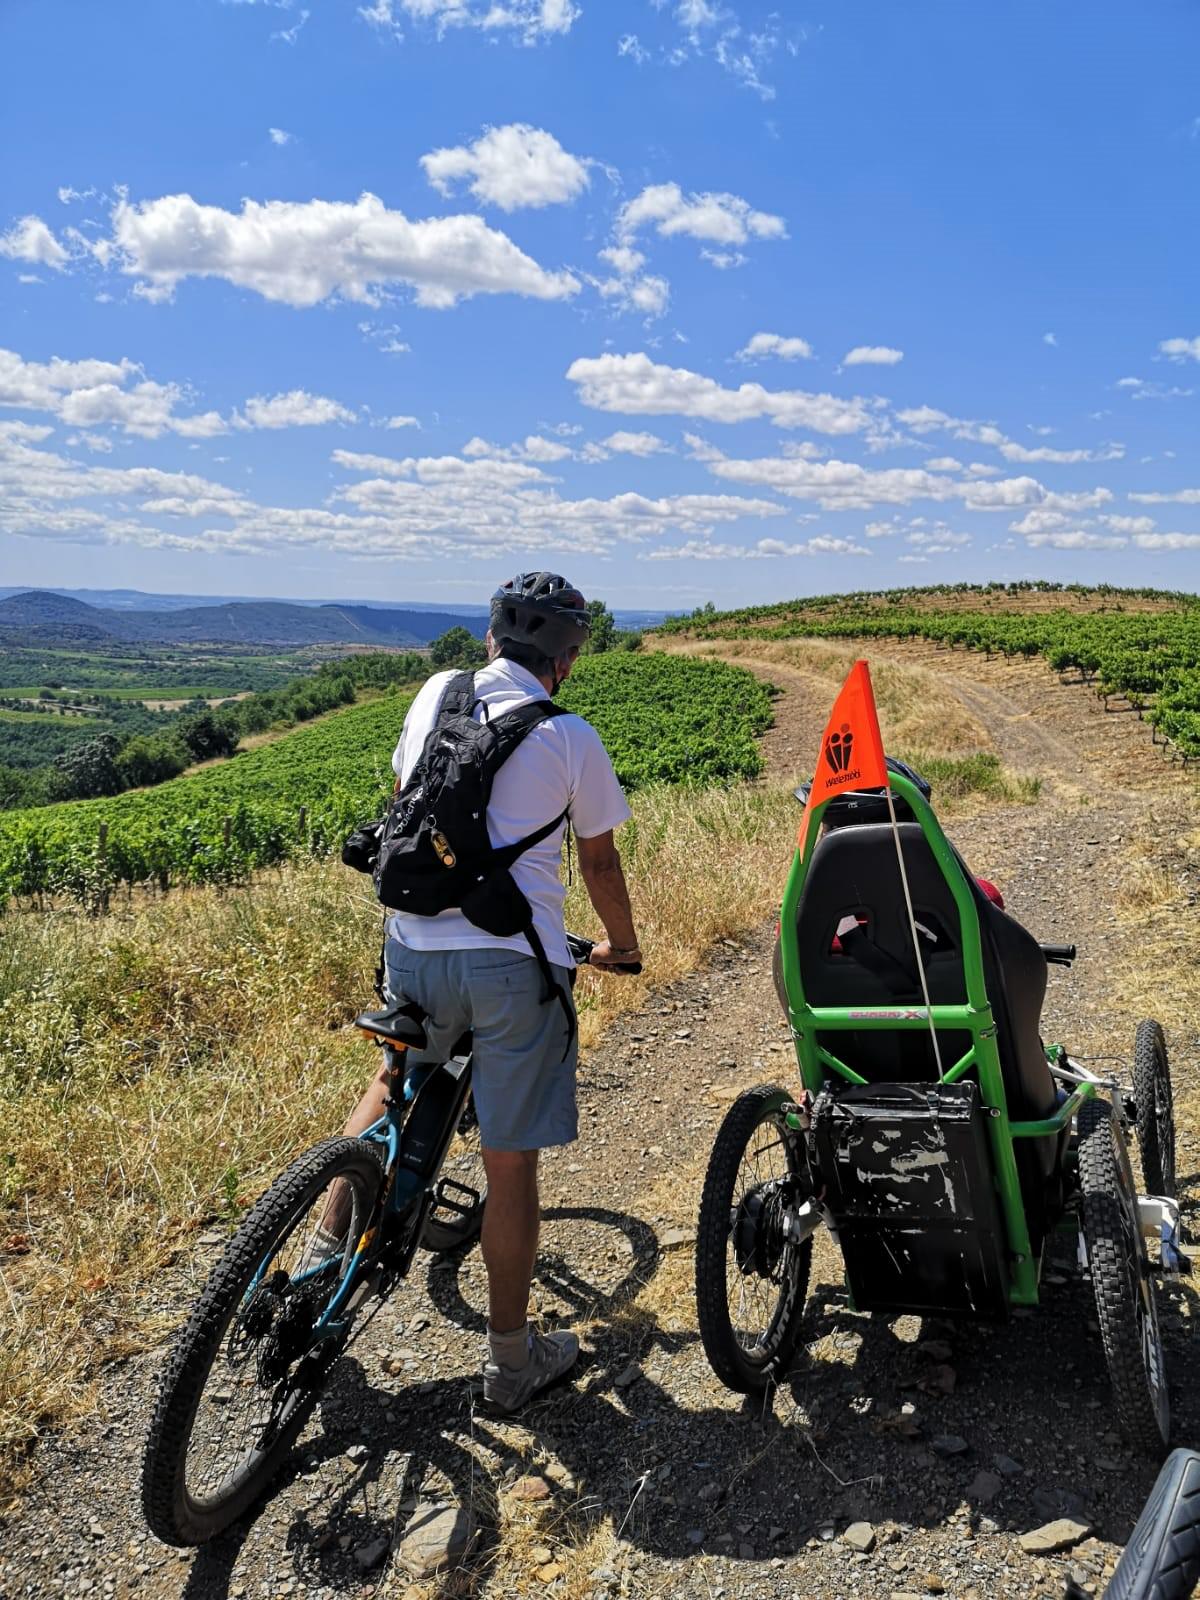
pixel 582 948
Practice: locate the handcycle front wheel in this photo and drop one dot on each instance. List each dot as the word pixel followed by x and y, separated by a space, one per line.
pixel 1119 1263
pixel 244 1374
pixel 751 1278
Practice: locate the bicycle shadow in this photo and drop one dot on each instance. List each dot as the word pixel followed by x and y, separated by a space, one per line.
pixel 640 1447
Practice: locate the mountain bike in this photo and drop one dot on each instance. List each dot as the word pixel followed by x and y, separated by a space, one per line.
pixel 340 1226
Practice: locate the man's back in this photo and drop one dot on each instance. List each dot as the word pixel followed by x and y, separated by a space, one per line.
pixel 560 766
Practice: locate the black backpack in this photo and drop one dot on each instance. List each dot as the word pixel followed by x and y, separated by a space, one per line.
pixel 435 854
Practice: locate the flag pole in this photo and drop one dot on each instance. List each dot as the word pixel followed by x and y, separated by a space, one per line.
pixel 912 923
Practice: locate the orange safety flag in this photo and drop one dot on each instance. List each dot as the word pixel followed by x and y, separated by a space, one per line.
pixel 851 746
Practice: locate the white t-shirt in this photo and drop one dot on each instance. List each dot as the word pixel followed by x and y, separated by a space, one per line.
pixel 561 765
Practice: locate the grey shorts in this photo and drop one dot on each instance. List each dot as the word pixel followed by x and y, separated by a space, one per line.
pixel 523 1074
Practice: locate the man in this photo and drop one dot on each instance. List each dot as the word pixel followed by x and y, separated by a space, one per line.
pixel 524 1049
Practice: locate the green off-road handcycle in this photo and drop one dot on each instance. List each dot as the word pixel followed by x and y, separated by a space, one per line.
pixel 942 1144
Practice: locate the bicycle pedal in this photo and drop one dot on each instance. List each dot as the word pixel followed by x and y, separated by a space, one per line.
pixel 443 1198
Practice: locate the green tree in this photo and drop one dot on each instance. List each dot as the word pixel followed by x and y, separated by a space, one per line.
pixel 457 648
pixel 604 629
pixel 90 769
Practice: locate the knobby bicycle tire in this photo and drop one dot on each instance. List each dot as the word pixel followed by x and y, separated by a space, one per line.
pixel 733 1363
pixel 1118 1263
pixel 173 1513
pixel 1155 1108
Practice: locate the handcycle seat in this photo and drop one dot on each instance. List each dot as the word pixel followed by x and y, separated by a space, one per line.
pixel 856 950
pixel 402 1023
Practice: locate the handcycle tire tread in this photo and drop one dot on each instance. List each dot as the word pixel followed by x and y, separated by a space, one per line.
pixel 725 1355
pixel 1105 1195
pixel 1162 1559
pixel 167 1509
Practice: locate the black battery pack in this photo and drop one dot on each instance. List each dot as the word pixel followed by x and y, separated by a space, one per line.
pixel 908 1185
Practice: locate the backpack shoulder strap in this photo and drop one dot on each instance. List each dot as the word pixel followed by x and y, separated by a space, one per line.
pixel 458 697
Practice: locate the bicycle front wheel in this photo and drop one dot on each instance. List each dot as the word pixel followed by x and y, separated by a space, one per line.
pixel 243 1376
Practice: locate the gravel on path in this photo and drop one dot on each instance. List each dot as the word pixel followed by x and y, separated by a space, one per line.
pixel 644 1476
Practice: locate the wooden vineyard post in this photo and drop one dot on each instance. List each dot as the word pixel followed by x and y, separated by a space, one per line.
pixel 226 829
pixel 102 842
pixel 303 818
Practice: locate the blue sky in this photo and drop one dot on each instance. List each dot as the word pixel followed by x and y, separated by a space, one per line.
pixel 688 300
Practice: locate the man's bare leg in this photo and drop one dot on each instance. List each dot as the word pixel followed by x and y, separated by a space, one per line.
pixel 509 1240
pixel 335 1218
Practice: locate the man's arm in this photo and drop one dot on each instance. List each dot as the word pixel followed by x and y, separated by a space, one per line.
pixel 600 864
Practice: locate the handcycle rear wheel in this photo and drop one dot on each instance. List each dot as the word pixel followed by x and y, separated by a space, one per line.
pixel 751 1280
pixel 244 1374
pixel 462 1176
pixel 1120 1267
pixel 1155 1108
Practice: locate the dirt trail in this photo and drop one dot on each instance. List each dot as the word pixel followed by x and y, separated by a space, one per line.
pixel 713 1498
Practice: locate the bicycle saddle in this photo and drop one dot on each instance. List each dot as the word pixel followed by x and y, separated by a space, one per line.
pixel 402 1023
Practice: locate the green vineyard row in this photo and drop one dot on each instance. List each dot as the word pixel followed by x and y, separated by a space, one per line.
pixel 665 719
pixel 1150 658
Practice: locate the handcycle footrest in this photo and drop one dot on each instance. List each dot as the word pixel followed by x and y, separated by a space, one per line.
pixel 908 1184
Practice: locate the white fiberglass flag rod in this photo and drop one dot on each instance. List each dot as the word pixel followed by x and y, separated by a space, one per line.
pixel 912 923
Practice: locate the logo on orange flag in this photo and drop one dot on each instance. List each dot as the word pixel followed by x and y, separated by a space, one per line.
pixel 851 746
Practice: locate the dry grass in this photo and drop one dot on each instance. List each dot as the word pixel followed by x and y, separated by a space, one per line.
pixel 915 712
pixel 158 1066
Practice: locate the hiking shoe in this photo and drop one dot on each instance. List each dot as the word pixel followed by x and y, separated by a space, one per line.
pixel 551 1357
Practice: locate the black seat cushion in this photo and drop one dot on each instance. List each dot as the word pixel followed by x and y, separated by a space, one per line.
pixel 853 896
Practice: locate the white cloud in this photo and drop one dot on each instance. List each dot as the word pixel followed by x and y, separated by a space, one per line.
pixel 402 422
pixel 945 464
pixel 1167 541
pixel 290 35
pixel 1039 521
pixel 533 448
pixel 91 394
pixel 1130 525
pixel 630 45
pixel 510 167
pixel 723 219
pixel 280 136
pixel 761 550
pixel 927 419
pixel 1180 349
pixel 647 294
pixel 296 409
pixel 1141 389
pixel 635 444
pixel 1077 539
pixel 529 21
pixel 777 345
pixel 637 386
pixel 623 259
pixel 1159 497
pixel 1050 339
pixel 303 252
pixel 872 355
pixel 31 240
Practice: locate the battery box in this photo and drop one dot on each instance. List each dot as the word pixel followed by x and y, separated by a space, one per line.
pixel 908 1184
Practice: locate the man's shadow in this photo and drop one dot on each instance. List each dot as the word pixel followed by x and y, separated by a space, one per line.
pixel 745 1479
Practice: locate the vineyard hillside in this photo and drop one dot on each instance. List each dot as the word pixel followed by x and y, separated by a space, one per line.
pixel 664 720
pixel 1141 646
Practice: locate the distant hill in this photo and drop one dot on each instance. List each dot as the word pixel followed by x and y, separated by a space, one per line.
pixel 138 600
pixel 43 617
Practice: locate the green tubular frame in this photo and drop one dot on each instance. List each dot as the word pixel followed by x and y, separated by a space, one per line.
pixel 973 1017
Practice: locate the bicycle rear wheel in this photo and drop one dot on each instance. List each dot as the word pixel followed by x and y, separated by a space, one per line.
pixel 243 1376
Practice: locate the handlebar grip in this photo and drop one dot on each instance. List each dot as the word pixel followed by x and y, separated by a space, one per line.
pixel 1162 1558
pixel 1060 955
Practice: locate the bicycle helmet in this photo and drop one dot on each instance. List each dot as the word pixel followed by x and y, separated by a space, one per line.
pixel 540 609
pixel 869 805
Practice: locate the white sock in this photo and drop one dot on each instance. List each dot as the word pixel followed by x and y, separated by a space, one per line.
pixel 509 1349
